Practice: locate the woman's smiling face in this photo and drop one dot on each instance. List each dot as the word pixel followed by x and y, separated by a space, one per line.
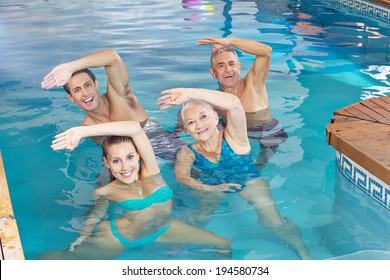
pixel 123 161
pixel 200 121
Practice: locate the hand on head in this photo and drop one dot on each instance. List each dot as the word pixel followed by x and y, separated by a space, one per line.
pixel 57 77
pixel 218 43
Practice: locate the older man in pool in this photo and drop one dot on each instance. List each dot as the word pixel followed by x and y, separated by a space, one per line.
pixel 251 90
pixel 118 103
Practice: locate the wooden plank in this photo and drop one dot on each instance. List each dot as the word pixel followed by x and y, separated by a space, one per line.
pixel 360 124
pixel 344 112
pixel 328 131
pixel 381 141
pixel 369 140
pixel 368 112
pixel 361 131
pixel 380 106
pixel 382 2
pixel 341 118
pixel 359 156
pixel 364 132
pixel 358 113
pixel 380 102
pixel 372 112
pixel 386 99
pixel 379 149
pixel 343 128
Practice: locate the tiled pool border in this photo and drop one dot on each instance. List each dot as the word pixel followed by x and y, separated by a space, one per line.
pixel 364 180
pixel 363 8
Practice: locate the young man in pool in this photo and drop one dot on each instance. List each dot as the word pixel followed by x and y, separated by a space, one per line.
pixel 251 90
pixel 118 103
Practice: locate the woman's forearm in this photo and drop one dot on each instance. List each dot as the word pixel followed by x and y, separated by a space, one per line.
pixel 122 128
pixel 192 183
pixel 222 100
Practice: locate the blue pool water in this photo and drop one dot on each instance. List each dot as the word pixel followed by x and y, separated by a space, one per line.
pixel 325 56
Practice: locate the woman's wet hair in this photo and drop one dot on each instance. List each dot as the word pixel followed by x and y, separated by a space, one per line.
pixel 90 74
pixel 112 140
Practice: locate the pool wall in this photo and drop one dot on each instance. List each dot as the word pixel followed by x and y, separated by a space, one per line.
pixel 11 247
pixel 370 9
pixel 359 221
pixel 364 180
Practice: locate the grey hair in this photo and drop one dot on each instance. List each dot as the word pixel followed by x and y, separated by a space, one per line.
pixel 221 50
pixel 195 102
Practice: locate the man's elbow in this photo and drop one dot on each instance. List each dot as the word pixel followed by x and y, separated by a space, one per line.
pixel 113 55
pixel 267 51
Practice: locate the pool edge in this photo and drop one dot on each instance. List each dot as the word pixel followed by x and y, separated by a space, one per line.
pixel 372 186
pixel 11 246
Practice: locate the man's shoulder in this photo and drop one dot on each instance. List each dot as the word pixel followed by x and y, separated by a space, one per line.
pixel 88 121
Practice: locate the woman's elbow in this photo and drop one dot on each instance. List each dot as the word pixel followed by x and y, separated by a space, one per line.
pixel 236 103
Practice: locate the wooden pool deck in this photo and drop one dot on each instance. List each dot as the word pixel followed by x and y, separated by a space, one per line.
pixel 382 2
pixel 11 247
pixel 361 132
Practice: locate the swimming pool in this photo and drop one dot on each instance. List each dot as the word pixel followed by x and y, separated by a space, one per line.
pixel 324 58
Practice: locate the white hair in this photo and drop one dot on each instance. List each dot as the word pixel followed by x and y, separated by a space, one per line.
pixel 191 102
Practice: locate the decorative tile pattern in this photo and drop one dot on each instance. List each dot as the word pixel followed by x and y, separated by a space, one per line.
pixel 364 180
pixel 363 8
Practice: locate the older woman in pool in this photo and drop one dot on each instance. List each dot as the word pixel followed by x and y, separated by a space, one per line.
pixel 224 161
pixel 138 189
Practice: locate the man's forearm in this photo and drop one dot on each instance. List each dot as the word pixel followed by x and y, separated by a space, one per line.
pixel 97 59
pixel 250 46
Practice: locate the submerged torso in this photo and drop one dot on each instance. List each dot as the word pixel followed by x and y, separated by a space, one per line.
pixel 146 206
pixel 231 167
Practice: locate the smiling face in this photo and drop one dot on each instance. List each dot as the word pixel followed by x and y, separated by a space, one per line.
pixel 226 69
pixel 200 120
pixel 122 159
pixel 83 91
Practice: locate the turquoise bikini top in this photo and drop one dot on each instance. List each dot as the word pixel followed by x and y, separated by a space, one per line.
pixel 161 195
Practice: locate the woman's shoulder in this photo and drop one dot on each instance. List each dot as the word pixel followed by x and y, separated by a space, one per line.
pixel 102 191
pixel 155 180
pixel 185 152
pixel 107 189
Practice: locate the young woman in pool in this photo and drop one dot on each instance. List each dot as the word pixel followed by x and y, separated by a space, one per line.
pixel 138 189
pixel 223 160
